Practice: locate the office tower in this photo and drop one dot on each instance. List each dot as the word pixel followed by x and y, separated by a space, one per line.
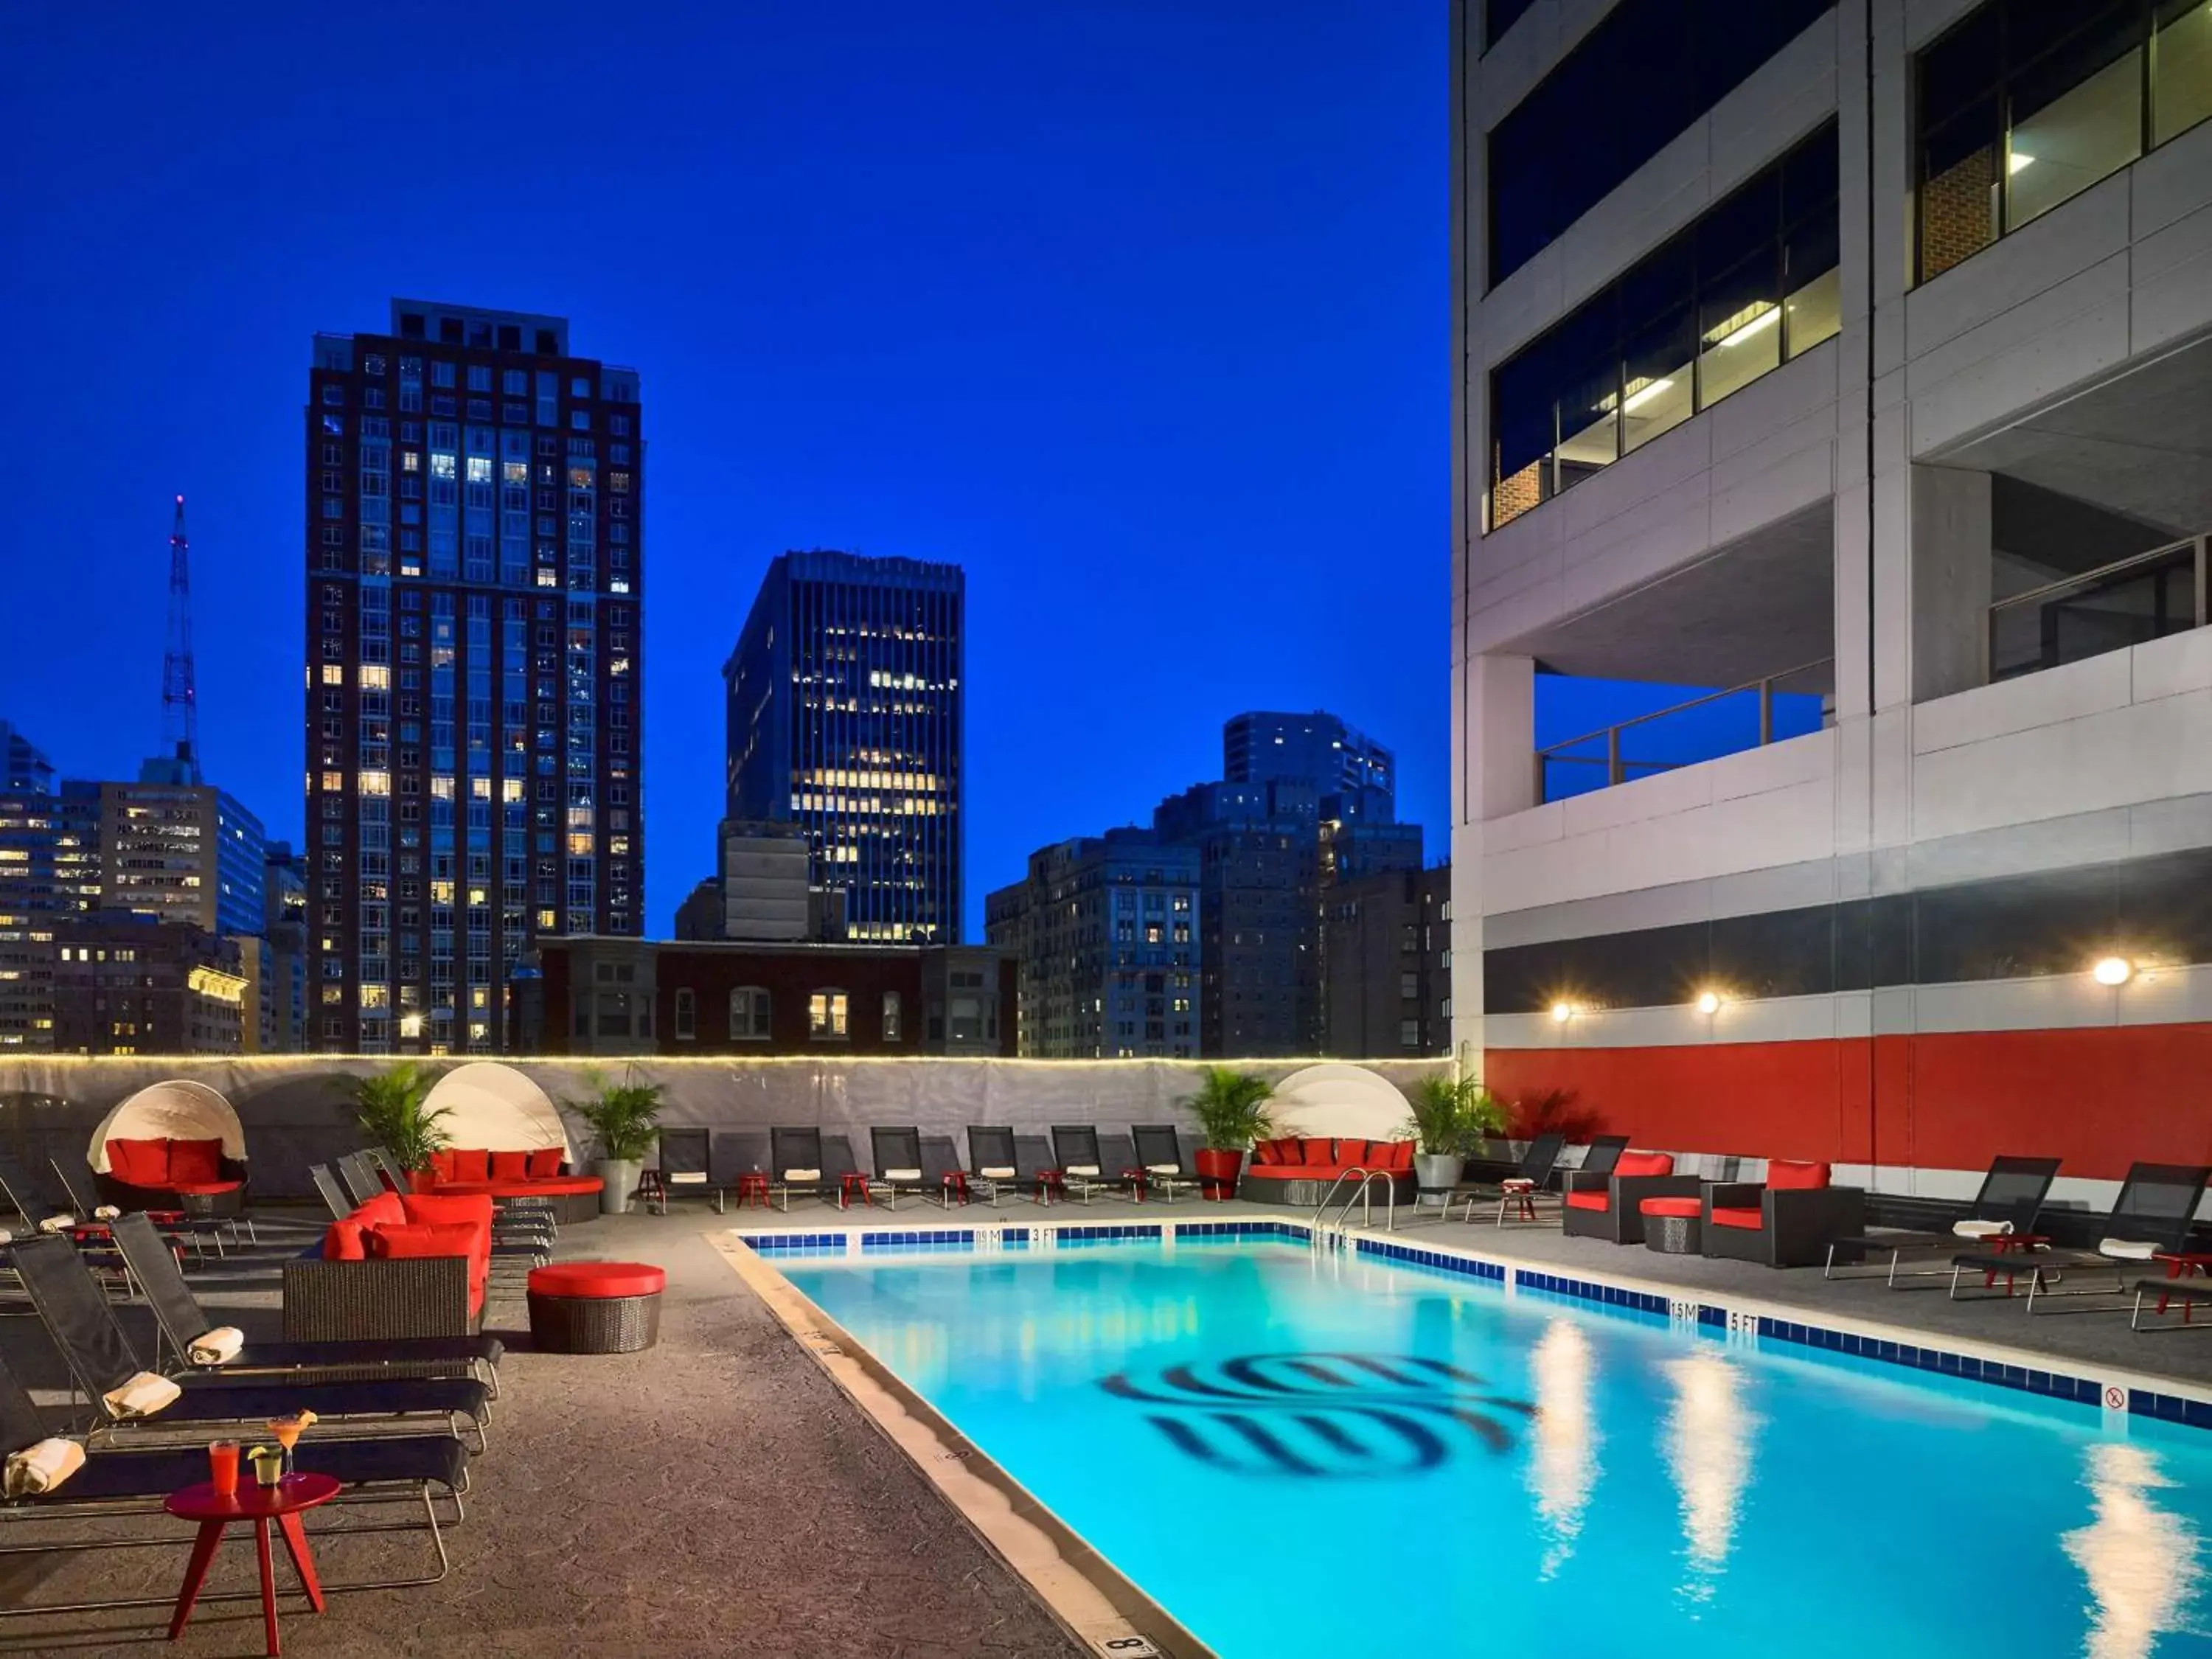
pixel 1385 954
pixel 1103 933
pixel 24 769
pixel 475 558
pixel 1856 369
pixel 1353 776
pixel 30 905
pixel 843 706
pixel 180 851
pixel 283 992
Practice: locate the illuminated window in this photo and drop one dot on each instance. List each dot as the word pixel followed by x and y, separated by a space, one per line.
pixel 826 1017
pixel 333 674
pixel 375 676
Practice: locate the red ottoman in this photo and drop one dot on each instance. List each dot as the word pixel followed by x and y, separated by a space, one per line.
pixel 595 1307
pixel 1673 1226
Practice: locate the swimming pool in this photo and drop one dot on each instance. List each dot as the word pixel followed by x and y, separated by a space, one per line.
pixel 1347 1456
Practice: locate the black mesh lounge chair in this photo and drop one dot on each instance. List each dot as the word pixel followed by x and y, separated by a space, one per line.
pixel 77 1315
pixel 358 1176
pixel 181 1320
pixel 1081 1170
pixel 1159 1149
pixel 897 1153
pixel 1519 1190
pixel 991 1166
pixel 2008 1205
pixel 1600 1155
pixel 682 1164
pixel 116 1481
pixel 24 1197
pixel 794 1157
pixel 2150 1218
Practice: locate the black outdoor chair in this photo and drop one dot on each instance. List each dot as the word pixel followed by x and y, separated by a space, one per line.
pixel 21 1190
pixel 180 1323
pixel 1079 1169
pixel 897 1153
pixel 358 1176
pixel 1159 1150
pixel 99 1357
pixel 991 1164
pixel 1519 1190
pixel 2152 1217
pixel 1778 1224
pixel 2008 1206
pixel 794 1157
pixel 1607 1203
pixel 684 1155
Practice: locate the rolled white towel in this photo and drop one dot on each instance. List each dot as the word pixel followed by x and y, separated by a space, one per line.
pixel 106 1212
pixel 2127 1249
pixel 1082 1169
pixel 42 1468
pixel 216 1347
pixel 997 1172
pixel 802 1175
pixel 901 1174
pixel 141 1396
pixel 6 1237
pixel 686 1178
pixel 1163 1168
pixel 1972 1228
pixel 57 1224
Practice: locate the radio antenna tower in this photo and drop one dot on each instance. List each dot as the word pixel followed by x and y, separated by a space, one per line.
pixel 179 703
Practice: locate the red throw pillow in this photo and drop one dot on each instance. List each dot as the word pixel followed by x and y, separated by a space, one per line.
pixel 385 1209
pixel 472 1164
pixel 1402 1154
pixel 441 1166
pixel 1788 1172
pixel 342 1243
pixel 139 1163
pixel 447 1209
pixel 545 1163
pixel 1645 1164
pixel 1351 1153
pixel 415 1239
pixel 1317 1152
pixel 195 1161
pixel 510 1166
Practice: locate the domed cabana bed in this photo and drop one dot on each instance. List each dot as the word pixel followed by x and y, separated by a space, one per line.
pixel 504 1137
pixel 1329 1119
pixel 174 1145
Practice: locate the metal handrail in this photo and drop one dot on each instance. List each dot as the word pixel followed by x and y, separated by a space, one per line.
pixel 1313 1226
pixel 2101 573
pixel 1694 702
pixel 1617 766
pixel 1318 1228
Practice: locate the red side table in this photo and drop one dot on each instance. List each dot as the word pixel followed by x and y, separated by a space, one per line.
pixel 1136 1178
pixel 753 1185
pixel 2183 1264
pixel 955 1185
pixel 1049 1181
pixel 852 1184
pixel 282 1503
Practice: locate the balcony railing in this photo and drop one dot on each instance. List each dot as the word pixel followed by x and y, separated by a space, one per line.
pixel 1747 716
pixel 2130 601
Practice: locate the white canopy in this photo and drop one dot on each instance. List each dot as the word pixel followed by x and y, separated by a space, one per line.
pixel 1339 1100
pixel 497 1109
pixel 175 1110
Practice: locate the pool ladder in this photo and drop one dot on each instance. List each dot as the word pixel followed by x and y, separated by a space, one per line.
pixel 1320 1229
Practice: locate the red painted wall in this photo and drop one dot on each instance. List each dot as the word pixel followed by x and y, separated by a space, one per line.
pixel 2099 1099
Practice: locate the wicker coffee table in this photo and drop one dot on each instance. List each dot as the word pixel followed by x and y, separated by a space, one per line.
pixel 595 1307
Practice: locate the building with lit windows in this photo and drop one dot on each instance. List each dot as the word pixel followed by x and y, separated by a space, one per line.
pixel 843 711
pixel 475 554
pixel 1352 775
pixel 179 852
pixel 24 767
pixel 129 984
pixel 1852 360
pixel 1104 935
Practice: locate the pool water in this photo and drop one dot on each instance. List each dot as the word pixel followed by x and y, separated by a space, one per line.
pixel 1352 1457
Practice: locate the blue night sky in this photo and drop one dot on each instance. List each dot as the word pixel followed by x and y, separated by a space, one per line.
pixel 1138 309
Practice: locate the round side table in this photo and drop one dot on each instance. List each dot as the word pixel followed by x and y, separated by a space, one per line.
pixel 283 1504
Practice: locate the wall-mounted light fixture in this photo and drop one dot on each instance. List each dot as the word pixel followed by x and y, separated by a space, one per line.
pixel 1709 1002
pixel 2113 970
pixel 1562 1011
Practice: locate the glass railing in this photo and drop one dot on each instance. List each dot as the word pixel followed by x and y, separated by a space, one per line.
pixel 2144 596
pixel 1786 705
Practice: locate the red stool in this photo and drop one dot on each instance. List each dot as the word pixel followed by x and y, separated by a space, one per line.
pixel 753 1185
pixel 595 1307
pixel 854 1184
pixel 955 1185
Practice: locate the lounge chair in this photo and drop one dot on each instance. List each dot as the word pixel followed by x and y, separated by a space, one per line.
pixel 180 1323
pixel 1519 1190
pixel 360 1177
pixel 115 1481
pixel 991 1164
pixel 2151 1218
pixel 794 1157
pixel 1079 1168
pixel 683 1161
pixel 1607 1203
pixel 1159 1150
pixel 2011 1200
pixel 77 1316
pixel 22 1191
pixel 897 1153
pixel 1784 1221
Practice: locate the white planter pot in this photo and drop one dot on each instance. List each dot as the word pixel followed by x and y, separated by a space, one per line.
pixel 1435 1174
pixel 618 1176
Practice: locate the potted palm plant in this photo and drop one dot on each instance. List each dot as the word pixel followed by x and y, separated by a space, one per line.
pixel 623 1115
pixel 1232 1110
pixel 394 1111
pixel 1449 1114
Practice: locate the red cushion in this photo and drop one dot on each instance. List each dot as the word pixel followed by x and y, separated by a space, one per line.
pixel 564 1187
pixel 1784 1172
pixel 1401 1155
pixel 195 1160
pixel 544 1164
pixel 1749 1220
pixel 386 1208
pixel 1278 1172
pixel 441 1166
pixel 472 1164
pixel 1351 1154
pixel 1317 1152
pixel 342 1242
pixel 1600 1198
pixel 181 1187
pixel 1645 1164
pixel 139 1163
pixel 1672 1207
pixel 389 1244
pixel 510 1166
pixel 597 1279
pixel 447 1209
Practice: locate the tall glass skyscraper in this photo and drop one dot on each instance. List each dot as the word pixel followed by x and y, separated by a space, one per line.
pixel 474 662
pixel 844 717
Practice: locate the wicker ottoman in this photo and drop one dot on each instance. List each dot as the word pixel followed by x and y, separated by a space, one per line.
pixel 1673 1226
pixel 595 1307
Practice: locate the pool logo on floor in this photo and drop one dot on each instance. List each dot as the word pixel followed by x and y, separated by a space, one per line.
pixel 1324 1416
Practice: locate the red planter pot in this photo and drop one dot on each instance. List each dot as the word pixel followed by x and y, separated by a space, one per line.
pixel 1217 1173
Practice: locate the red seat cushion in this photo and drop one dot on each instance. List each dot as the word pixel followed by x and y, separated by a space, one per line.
pixel 139 1163
pixel 544 1164
pixel 442 1165
pixel 1317 1153
pixel 447 1209
pixel 565 1186
pixel 181 1187
pixel 1645 1164
pixel 597 1279
pixel 472 1164
pixel 390 1243
pixel 1749 1220
pixel 1351 1154
pixel 194 1160
pixel 1787 1173
pixel 342 1242
pixel 1672 1207
pixel 1600 1200
pixel 385 1209
pixel 1278 1172
pixel 510 1166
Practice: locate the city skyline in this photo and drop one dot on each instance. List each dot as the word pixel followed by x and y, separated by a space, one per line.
pixel 866 321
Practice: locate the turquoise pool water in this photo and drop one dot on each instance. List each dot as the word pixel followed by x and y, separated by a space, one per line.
pixel 1351 1457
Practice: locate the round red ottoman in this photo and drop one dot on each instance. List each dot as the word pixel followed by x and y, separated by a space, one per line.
pixel 1672 1226
pixel 595 1307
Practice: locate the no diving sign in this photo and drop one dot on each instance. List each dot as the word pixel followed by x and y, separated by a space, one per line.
pixel 2116 1397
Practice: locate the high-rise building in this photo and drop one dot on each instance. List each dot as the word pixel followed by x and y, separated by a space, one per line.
pixel 475 554
pixel 283 993
pixel 1857 375
pixel 31 902
pixel 130 984
pixel 181 852
pixel 843 702
pixel 1353 776
pixel 24 769
pixel 1104 933
pixel 1386 960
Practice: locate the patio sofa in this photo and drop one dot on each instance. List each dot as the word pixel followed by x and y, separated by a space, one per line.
pixel 470 1171
pixel 1297 1170
pixel 400 1266
pixel 158 1174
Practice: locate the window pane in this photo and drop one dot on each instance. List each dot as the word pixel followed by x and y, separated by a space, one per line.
pixel 2074 140
pixel 2181 69
pixel 1814 277
pixel 1740 329
pixel 1656 397
pixel 1589 421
